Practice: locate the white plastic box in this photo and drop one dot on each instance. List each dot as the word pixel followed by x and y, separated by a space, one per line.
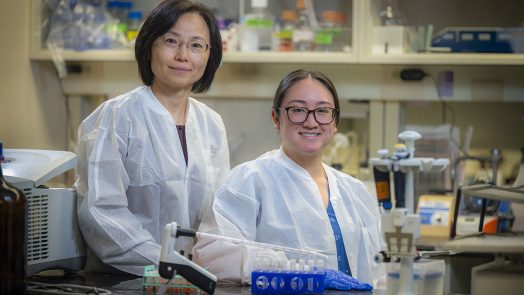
pixel 428 277
pixel 389 40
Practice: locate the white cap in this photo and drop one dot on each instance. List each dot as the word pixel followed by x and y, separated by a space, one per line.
pixel 259 3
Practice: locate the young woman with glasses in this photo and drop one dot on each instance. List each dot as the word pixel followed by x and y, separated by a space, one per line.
pixel 288 197
pixel 153 155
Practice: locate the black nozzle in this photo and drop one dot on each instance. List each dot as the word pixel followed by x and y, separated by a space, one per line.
pixel 186 232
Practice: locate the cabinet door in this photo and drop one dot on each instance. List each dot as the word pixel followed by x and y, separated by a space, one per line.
pixel 231 11
pixel 443 32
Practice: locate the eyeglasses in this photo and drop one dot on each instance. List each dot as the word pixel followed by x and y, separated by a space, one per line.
pixel 322 115
pixel 173 42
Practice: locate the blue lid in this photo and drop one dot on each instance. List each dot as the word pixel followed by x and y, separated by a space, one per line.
pixel 135 15
pixel 119 4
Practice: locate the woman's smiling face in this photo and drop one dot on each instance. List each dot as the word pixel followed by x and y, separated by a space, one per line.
pixel 307 139
pixel 180 68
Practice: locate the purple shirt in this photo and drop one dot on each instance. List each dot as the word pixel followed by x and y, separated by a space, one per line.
pixel 182 135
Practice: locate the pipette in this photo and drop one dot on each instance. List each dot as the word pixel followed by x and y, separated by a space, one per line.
pixel 261 245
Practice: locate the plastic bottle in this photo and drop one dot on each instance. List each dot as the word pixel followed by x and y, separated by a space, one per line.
pixel 332 36
pixel 382 183
pixel 399 177
pixel 13 247
pixel 257 28
pixel 119 10
pixel 390 14
pixel 134 22
pixel 303 36
pixel 283 36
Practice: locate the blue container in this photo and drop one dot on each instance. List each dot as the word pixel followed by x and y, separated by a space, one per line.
pixel 287 282
pixel 480 40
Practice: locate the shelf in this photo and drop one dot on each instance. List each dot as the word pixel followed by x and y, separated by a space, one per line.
pixel 228 57
pixel 88 55
pixel 362 12
pixel 290 57
pixel 445 59
pixel 311 57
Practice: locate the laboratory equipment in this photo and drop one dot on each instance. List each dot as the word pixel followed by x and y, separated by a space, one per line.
pixel 13 206
pixel 283 35
pixel 120 10
pixel 498 211
pixel 516 208
pixel 257 28
pixel 390 37
pixel 54 240
pixel 152 283
pixel 134 19
pixel 400 225
pixel 332 34
pixel 436 214
pixel 172 262
pixel 268 281
pixel 390 14
pixel 480 40
pixel 262 245
pixel 304 36
pixel 382 183
pixel 504 274
pixel 428 277
pixel 337 143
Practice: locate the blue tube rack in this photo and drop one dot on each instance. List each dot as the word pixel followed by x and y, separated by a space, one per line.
pixel 264 281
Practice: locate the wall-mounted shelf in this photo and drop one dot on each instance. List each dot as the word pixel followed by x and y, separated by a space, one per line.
pixel 363 18
pixel 228 57
pixel 445 59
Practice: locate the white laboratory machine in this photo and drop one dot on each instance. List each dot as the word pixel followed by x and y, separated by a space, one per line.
pixel 400 225
pixel 503 275
pixel 54 240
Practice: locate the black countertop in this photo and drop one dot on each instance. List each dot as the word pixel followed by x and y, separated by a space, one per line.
pixel 129 284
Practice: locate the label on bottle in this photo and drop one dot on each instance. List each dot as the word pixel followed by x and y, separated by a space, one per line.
pixel 259 22
pixel 259 3
pixel 324 38
pixel 303 35
pixel 131 35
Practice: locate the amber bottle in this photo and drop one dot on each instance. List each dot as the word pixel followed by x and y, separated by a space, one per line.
pixel 13 208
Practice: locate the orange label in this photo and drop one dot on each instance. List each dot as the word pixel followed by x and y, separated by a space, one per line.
pixel 382 190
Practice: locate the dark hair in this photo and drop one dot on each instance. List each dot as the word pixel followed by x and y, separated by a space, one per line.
pixel 298 75
pixel 160 20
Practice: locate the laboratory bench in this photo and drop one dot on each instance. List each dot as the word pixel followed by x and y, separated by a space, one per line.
pixel 130 284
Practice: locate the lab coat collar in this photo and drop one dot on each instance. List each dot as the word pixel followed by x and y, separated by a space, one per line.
pixel 157 106
pixel 292 165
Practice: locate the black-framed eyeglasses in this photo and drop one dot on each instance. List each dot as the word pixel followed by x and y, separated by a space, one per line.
pixel 323 115
pixel 173 42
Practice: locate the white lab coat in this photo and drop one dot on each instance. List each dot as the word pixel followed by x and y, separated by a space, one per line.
pixel 274 200
pixel 133 179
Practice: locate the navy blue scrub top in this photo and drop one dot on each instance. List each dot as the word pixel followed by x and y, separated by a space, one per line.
pixel 343 264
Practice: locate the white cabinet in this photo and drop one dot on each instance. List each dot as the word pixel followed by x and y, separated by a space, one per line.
pixel 362 16
pixel 234 9
pixel 471 14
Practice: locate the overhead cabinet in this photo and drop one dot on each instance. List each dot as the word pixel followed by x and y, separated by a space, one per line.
pixel 466 32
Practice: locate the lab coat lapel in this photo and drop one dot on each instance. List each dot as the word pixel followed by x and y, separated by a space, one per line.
pixel 197 159
pixel 324 241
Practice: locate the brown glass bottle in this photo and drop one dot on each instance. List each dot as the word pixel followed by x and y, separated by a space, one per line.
pixel 13 206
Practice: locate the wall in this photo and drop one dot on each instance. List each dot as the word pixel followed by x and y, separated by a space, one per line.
pixel 31 105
